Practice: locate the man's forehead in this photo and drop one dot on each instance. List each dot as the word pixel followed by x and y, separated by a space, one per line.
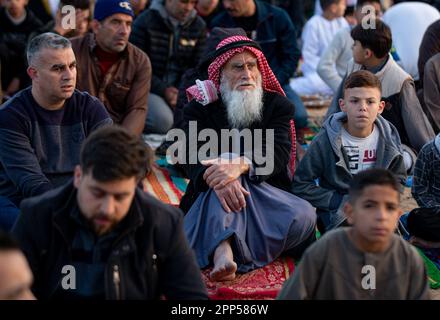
pixel 244 57
pixel 57 56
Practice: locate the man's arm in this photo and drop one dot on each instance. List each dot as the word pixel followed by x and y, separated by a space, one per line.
pixel 327 63
pixel 417 126
pixel 20 163
pixel 305 280
pixel 423 174
pixel 312 167
pixel 137 98
pixel 181 276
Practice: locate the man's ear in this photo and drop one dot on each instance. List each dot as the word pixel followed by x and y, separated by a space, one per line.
pixel 77 175
pixel 368 53
pixel 95 25
pixel 32 72
pixel 342 105
pixel 348 211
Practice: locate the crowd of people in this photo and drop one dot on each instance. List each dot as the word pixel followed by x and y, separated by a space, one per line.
pixel 82 81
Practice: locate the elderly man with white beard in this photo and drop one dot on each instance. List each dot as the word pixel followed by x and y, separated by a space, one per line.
pixel 239 215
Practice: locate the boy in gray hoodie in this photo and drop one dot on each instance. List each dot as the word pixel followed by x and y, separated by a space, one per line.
pixel 350 141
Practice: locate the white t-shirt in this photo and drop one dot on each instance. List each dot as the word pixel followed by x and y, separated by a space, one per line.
pixel 361 152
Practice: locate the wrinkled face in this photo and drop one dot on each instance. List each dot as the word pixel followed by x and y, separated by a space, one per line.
pixel 374 215
pixel 103 204
pixel 15 276
pixel 368 8
pixel 237 8
pixel 241 71
pixel 54 73
pixel 15 8
pixel 113 32
pixel 362 106
pixel 180 9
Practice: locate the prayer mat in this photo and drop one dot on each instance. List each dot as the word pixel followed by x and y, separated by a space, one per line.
pixel 432 270
pixel 259 284
pixel 164 184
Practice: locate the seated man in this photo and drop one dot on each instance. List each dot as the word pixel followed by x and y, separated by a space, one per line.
pixel 173 36
pixel 350 141
pixel 431 91
pixel 42 127
pixel 367 260
pixel 111 68
pixel 120 242
pixel 15 275
pixel 239 211
pixel 371 52
pixel 271 27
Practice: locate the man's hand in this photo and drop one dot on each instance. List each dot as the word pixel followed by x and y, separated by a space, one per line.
pixel 232 196
pixel 171 96
pixel 223 171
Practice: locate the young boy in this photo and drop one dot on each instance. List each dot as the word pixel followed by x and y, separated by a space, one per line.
pixel 371 52
pixel 366 260
pixel 332 65
pixel 349 141
pixel 316 36
pixel 16 24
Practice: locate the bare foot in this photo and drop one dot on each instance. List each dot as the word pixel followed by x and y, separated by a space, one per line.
pixel 224 265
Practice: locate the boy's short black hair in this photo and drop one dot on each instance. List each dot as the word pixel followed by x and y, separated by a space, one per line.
pixel 371 177
pixel 327 3
pixel 113 153
pixel 362 79
pixel 378 39
pixel 361 3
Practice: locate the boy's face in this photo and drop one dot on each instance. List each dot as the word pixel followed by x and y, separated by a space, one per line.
pixel 359 53
pixel 374 216
pixel 15 7
pixel 362 105
pixel 338 9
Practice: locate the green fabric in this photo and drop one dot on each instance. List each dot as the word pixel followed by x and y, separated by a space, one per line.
pixel 432 270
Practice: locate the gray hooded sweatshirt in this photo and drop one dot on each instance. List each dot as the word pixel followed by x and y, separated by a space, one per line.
pixel 325 160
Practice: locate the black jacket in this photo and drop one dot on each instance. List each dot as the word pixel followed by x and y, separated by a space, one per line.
pixel 277 113
pixel 170 50
pixel 150 257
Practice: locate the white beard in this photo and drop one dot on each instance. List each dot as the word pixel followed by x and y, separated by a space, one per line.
pixel 244 107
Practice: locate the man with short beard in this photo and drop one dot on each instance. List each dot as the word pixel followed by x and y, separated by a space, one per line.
pixel 239 216
pixel 112 69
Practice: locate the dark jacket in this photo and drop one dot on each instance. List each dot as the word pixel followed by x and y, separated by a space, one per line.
pixel 123 89
pixel 172 50
pixel 275 34
pixel 277 113
pixel 151 256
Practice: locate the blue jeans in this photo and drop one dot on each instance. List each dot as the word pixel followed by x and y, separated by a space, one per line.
pixel 300 110
pixel 8 214
pixel 160 117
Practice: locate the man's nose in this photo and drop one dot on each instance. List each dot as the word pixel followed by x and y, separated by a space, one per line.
pixel 108 205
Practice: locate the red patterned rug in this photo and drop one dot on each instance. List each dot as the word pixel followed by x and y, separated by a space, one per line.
pixel 260 284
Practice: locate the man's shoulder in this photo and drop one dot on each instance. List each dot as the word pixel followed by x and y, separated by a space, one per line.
pixel 83 99
pixel 45 204
pixel 278 102
pixel 137 55
pixel 18 106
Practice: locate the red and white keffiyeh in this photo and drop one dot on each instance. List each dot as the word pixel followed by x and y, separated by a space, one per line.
pixel 206 91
